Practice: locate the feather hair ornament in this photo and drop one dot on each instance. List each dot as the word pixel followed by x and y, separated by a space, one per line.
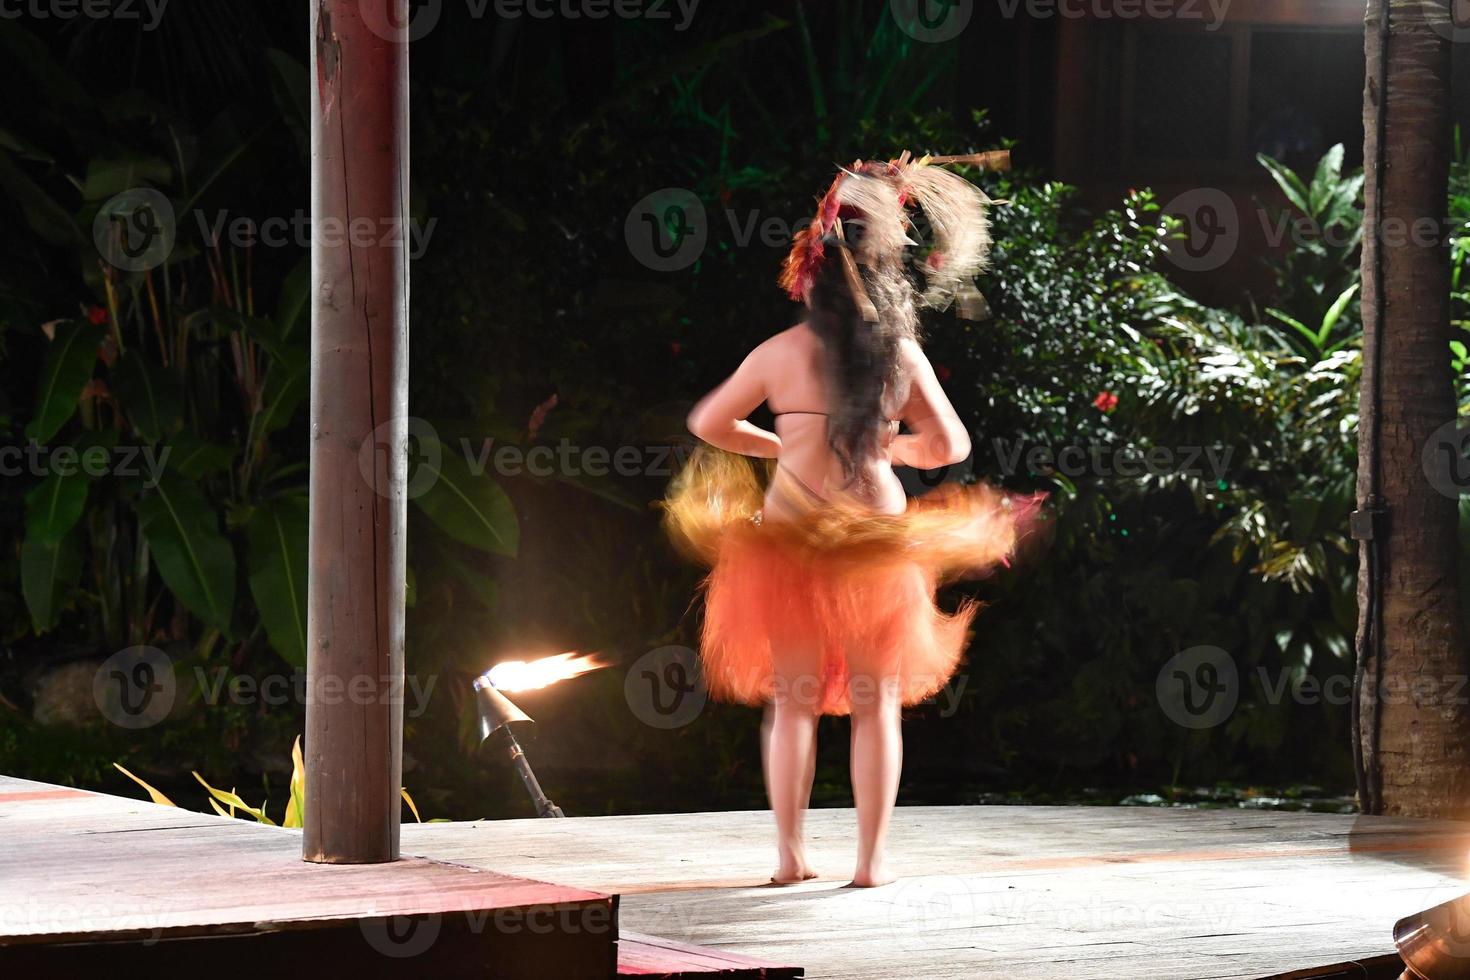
pixel 877 196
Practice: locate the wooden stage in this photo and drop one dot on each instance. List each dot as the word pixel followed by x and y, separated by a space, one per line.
pixel 113 885
pixel 1015 892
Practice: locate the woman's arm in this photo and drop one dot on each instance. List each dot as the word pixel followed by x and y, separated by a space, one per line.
pixel 720 417
pixel 936 436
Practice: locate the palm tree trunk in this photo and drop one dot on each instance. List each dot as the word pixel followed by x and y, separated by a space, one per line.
pixel 1411 718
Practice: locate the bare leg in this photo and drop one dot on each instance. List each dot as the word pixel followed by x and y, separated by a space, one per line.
pixel 789 740
pixel 877 762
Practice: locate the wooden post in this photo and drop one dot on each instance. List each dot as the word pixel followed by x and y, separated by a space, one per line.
pixel 359 406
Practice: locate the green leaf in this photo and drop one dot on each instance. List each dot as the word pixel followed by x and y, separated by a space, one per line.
pixel 149 394
pixel 49 220
pixel 277 558
pixel 285 388
pixel 48 571
pixel 107 177
pixel 470 508
pixel 187 454
pixel 194 558
pixel 1335 313
pixel 54 505
pixel 69 363
pixel 289 83
pixel 293 312
pixel 1290 184
pixel 1325 182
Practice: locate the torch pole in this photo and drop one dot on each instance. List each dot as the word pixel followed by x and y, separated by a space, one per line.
pixel 544 807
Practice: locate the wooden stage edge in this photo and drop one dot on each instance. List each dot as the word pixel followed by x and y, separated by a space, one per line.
pixel 89 881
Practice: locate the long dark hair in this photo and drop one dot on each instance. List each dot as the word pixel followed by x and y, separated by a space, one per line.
pixel 865 378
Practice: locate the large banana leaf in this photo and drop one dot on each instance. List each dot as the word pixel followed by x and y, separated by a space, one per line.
pixel 276 555
pixel 48 570
pixel 68 368
pixel 470 508
pixel 285 388
pixel 55 505
pixel 149 394
pixel 194 558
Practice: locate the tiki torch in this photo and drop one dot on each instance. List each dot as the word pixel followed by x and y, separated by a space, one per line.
pixel 1435 944
pixel 500 717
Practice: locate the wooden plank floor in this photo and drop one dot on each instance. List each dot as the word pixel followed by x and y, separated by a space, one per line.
pixel 79 867
pixel 1021 892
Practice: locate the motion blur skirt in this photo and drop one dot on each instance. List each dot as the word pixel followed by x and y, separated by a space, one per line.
pixel 837 605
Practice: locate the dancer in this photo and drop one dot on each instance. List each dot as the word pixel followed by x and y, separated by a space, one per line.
pixel 821 598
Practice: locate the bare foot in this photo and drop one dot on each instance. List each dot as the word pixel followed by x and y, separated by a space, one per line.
pixel 871 877
pixel 791 872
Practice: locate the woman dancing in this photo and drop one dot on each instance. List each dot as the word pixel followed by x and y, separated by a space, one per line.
pixel 821 594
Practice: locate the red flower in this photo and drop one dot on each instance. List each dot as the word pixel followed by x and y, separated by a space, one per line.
pixel 1105 402
pixel 943 372
pixel 538 417
pixel 674 346
pixel 97 315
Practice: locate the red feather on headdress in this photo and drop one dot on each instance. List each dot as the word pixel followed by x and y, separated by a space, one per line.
pixel 880 192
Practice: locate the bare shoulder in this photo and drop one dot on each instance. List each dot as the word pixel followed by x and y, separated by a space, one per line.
pixel 911 356
pixel 788 342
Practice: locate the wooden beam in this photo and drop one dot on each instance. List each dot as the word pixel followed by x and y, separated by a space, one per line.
pixel 359 406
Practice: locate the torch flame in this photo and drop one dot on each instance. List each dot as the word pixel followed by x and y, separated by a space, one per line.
pixel 528 675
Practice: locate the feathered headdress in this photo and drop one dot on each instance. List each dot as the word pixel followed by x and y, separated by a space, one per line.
pixel 879 194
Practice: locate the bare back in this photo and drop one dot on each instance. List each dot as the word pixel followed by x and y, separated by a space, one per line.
pixel 787 373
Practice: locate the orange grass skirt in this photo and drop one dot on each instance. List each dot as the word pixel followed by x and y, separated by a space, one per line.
pixel 838 605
